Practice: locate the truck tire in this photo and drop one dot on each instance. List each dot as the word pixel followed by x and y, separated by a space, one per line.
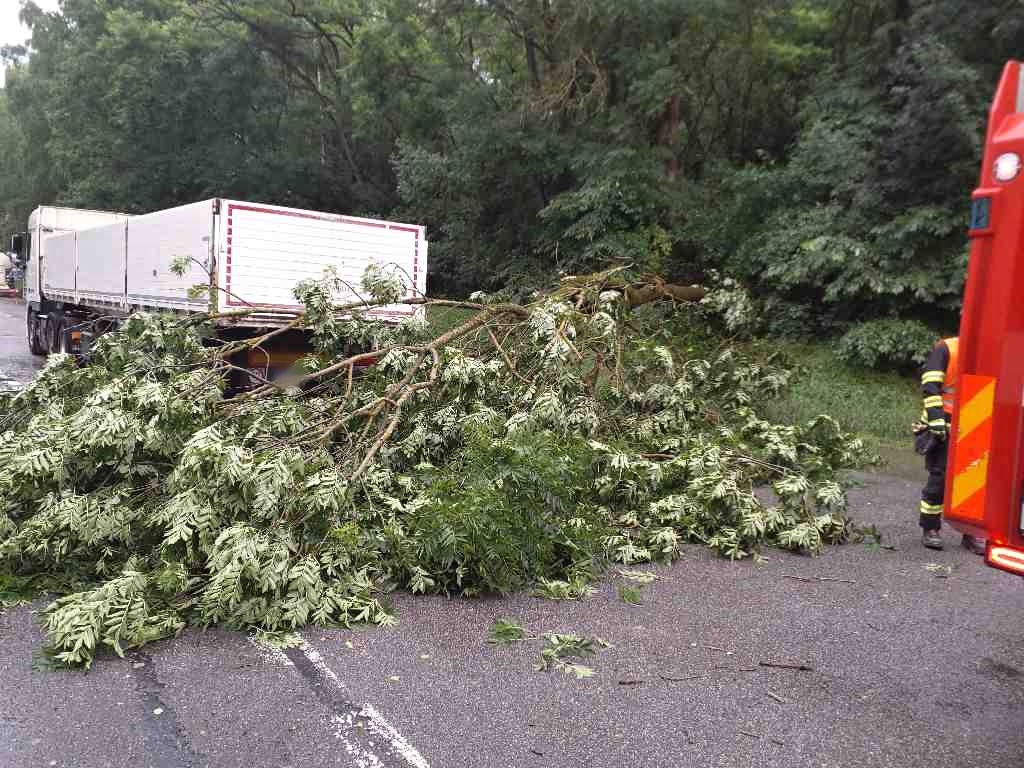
pixel 32 331
pixel 54 332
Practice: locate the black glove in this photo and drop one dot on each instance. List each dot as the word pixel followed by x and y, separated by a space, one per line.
pixel 924 441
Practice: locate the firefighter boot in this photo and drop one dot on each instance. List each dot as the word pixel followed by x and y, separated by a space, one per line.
pixel 975 545
pixel 932 540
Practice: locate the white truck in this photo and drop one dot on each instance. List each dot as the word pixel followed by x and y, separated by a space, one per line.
pixel 83 266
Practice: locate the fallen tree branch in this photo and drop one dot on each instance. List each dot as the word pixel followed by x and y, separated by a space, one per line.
pixel 526 446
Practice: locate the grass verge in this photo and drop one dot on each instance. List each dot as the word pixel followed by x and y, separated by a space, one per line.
pixel 442 319
pixel 879 407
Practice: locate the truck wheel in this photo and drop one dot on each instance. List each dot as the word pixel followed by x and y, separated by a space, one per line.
pixel 32 329
pixel 55 330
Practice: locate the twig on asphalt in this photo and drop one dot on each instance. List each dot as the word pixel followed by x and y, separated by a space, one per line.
pixel 717 670
pixel 751 735
pixel 817 578
pixel 671 679
pixel 776 696
pixel 781 665
pixel 632 682
pixel 780 743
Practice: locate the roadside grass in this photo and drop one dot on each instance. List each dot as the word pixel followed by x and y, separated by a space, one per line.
pixel 442 319
pixel 878 407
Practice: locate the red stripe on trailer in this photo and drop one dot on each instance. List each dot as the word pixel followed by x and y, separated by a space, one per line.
pixel 227 268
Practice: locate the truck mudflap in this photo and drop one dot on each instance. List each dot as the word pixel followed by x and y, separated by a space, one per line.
pixel 985 477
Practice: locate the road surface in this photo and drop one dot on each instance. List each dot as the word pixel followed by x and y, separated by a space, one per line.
pixel 902 668
pixel 17 364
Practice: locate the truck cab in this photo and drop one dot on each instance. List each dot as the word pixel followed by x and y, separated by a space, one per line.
pixel 45 222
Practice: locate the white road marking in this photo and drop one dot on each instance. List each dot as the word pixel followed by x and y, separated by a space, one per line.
pixel 273 656
pixel 364 758
pixel 387 732
pixel 348 724
pixel 376 723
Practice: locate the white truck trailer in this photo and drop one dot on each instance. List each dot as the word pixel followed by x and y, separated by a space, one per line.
pixel 85 265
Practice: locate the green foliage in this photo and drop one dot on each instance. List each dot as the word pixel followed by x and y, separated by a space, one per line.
pixel 277 640
pixel 859 222
pixel 17 590
pixel 643 578
pixel 560 647
pixel 120 613
pixel 557 589
pixel 506 632
pixel 819 153
pixel 591 433
pixel 886 344
pixel 629 595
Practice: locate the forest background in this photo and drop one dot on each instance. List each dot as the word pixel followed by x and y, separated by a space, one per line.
pixel 820 153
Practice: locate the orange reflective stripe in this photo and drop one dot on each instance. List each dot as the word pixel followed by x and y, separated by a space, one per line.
pixel 976 411
pixel 972 448
pixel 970 481
pixel 952 374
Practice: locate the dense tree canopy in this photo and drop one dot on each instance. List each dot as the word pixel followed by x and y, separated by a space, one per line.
pixel 820 151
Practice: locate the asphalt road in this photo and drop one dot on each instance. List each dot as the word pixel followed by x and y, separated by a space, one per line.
pixel 17 364
pixel 904 668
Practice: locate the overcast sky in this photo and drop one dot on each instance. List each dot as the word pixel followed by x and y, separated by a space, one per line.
pixel 11 31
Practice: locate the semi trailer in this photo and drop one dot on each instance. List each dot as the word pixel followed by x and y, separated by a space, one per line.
pixel 90 269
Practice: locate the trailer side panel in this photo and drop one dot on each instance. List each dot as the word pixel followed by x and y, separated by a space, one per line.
pixel 265 250
pixel 59 266
pixel 101 266
pixel 154 242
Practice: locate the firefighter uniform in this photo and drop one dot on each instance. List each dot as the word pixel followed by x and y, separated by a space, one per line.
pixel 938 387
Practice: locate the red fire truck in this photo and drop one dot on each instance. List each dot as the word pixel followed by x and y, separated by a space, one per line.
pixel 985 477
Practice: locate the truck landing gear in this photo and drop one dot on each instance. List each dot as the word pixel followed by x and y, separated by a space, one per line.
pixel 34 328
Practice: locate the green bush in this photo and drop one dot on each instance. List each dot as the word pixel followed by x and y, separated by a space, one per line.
pixel 889 343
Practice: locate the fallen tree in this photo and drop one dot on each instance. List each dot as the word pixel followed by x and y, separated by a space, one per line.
pixel 526 444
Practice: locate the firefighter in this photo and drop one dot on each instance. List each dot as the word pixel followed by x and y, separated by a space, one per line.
pixel 938 387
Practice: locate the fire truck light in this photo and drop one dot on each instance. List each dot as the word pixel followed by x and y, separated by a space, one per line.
pixel 1006 558
pixel 1007 167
